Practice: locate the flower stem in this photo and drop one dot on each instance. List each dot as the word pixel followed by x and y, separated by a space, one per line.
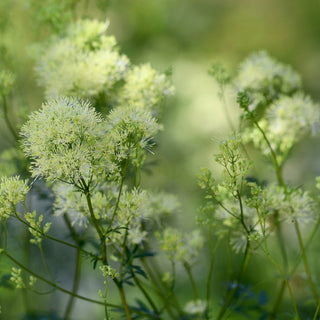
pixel 123 299
pixel 231 294
pixel 208 288
pixel 76 282
pixel 52 284
pixel 145 293
pixel 191 278
pixel 6 118
pixel 305 261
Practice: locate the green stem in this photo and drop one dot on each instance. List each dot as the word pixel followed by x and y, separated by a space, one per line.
pixel 286 282
pixel 75 287
pixel 145 293
pixel 123 299
pixel 96 223
pixel 6 117
pixel 273 155
pixel 56 239
pixel 73 232
pixel 284 277
pixel 4 231
pixel 241 212
pixel 116 205
pixel 231 294
pixel 52 284
pixel 317 311
pixel 305 261
pixel 208 287
pixel 281 241
pixel 45 263
pixel 162 295
pixel 191 278
pixel 105 300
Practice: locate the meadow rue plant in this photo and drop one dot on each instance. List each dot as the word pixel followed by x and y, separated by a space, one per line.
pixel 13 190
pixel 265 79
pixel 61 139
pixel 90 142
pixel 287 120
pixel 145 87
pixel 83 62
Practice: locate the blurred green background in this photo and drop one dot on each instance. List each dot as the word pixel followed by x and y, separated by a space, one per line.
pixel 185 36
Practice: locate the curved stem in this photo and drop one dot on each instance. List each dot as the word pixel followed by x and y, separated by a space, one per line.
pixel 208 284
pixel 54 285
pixel 116 205
pixel 273 155
pixel 191 278
pixel 317 311
pixel 145 293
pixel 56 239
pixel 286 282
pixel 162 295
pixel 123 299
pixel 6 118
pixel 305 261
pixel 45 263
pixel 231 294
pixel 75 287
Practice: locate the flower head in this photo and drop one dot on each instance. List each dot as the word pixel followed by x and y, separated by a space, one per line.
pixel 84 62
pixel 61 139
pixel 264 79
pixel 145 87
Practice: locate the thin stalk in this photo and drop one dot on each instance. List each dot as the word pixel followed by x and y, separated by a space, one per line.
pixel 145 293
pixel 52 284
pixel 231 294
pixel 278 302
pixel 191 278
pixel 93 218
pixel 56 239
pixel 75 287
pixel 305 261
pixel 123 299
pixel 6 117
pixel 154 279
pixel 278 225
pixel 317 311
pixel 96 224
pixel 77 272
pixel 116 205
pixel 73 232
pixel 106 313
pixel 4 231
pixel 281 242
pixel 124 245
pixel 241 212
pixel 284 277
pixel 286 282
pixel 273 155
pixel 209 277
pixel 44 261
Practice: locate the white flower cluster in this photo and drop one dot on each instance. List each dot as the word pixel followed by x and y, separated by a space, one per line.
pixel 265 79
pixel 145 87
pixel 286 121
pixel 61 139
pixel 12 191
pixel 180 247
pixel 82 63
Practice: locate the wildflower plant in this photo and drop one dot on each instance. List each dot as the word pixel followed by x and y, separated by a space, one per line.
pixel 276 115
pixel 88 145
